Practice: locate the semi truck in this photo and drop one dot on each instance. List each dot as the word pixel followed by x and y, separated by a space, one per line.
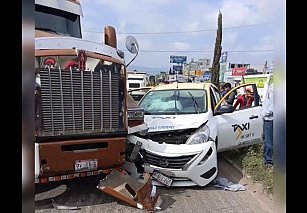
pixel 82 114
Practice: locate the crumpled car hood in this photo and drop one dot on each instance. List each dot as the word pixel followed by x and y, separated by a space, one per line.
pixel 160 123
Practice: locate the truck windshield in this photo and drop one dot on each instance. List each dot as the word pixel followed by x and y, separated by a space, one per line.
pixel 170 102
pixel 57 21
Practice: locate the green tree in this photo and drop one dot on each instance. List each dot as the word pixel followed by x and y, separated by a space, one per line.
pixel 217 53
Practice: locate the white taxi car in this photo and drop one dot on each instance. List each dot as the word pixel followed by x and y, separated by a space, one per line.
pixel 188 123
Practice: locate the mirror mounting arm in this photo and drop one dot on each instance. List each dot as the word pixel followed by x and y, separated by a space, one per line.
pixel 133 58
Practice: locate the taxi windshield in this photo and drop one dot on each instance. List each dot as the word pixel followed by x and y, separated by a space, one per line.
pixel 178 101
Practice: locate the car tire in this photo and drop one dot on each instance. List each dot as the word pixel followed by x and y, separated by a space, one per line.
pixel 216 142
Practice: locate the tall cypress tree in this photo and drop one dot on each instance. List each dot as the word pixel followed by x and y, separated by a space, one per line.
pixel 217 53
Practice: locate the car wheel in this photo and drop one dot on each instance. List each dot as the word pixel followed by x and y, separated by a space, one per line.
pixel 216 142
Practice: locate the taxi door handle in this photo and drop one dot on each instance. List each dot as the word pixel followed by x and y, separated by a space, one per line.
pixel 253 116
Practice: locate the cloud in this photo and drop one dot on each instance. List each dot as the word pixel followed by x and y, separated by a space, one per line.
pixel 129 16
pixel 137 15
pixel 180 46
pixel 237 12
pixel 229 39
pixel 269 39
pixel 263 47
pixel 97 37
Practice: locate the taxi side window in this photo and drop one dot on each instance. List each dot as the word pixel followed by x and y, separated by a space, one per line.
pixel 213 103
pixel 245 98
pixel 217 94
pixel 215 97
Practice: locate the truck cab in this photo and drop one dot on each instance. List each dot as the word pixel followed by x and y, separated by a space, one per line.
pixel 81 99
pixel 58 18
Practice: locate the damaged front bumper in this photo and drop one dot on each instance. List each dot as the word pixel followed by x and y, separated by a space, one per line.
pixel 186 165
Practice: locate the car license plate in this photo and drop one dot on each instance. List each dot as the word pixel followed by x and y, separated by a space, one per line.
pixel 162 178
pixel 86 165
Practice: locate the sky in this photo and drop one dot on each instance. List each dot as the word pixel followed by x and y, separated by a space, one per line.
pixel 249 27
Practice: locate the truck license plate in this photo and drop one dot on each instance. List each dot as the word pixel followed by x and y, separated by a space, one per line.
pixel 162 178
pixel 86 165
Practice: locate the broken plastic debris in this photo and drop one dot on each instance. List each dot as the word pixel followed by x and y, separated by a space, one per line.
pixel 153 191
pixel 123 187
pixel 228 185
pixel 64 207
pixel 139 206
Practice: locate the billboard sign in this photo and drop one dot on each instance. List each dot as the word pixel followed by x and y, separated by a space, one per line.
pixel 238 71
pixel 223 69
pixel 177 69
pixel 178 59
pixel 207 76
pixel 224 57
pixel 199 73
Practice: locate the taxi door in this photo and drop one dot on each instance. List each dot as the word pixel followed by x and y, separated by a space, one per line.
pixel 241 126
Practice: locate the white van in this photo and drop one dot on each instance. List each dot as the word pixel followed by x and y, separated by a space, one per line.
pixel 136 80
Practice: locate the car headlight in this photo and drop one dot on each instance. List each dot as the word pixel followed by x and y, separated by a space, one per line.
pixel 200 136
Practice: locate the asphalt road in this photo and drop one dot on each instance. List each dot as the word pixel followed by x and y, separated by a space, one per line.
pixel 83 193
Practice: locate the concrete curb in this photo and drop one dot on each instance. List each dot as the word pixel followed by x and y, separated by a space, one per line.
pixel 249 178
pixel 236 167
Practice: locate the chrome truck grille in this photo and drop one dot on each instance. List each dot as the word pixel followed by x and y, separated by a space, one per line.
pixel 74 102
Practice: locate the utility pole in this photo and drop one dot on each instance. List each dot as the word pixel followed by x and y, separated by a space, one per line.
pixel 265 68
pixel 189 71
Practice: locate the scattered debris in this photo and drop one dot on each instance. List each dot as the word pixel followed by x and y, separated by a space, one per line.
pixel 228 185
pixel 64 207
pixel 123 187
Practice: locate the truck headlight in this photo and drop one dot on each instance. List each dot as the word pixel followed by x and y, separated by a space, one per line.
pixel 136 114
pixel 200 136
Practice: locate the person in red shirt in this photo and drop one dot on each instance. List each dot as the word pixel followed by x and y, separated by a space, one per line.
pixel 245 100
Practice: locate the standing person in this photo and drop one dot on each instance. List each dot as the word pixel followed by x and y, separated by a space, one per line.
pixel 230 99
pixel 267 115
pixel 245 100
pixel 223 91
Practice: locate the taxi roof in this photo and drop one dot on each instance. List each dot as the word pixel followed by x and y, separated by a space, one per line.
pixel 182 86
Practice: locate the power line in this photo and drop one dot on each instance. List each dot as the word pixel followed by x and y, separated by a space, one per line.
pixel 187 31
pixel 184 51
